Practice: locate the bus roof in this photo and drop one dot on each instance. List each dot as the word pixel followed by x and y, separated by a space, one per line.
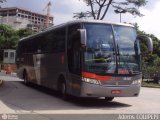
pixel 77 21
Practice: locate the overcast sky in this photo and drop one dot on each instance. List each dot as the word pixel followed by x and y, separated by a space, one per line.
pixel 63 10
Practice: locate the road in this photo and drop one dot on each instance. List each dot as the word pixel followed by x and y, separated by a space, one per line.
pixel 16 98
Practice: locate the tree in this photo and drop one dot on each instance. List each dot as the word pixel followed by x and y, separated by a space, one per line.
pixel 8 38
pixel 1 1
pixel 99 8
pixel 80 15
pixel 24 32
pixel 150 62
pixel 8 34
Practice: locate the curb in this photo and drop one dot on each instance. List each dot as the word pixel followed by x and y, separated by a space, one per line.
pixel 150 86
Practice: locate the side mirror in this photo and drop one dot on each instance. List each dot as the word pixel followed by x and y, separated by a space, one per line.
pixel 148 40
pixel 83 36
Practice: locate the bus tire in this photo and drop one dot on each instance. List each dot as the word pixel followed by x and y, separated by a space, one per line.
pixel 25 77
pixel 108 99
pixel 63 89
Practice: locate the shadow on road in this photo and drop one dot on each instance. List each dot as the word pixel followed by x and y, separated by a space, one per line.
pixel 19 97
pixel 81 102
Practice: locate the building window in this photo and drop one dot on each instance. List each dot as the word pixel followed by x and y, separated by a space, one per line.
pixel 12 55
pixel 5 54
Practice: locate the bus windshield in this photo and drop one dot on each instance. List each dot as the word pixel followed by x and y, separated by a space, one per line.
pixel 111 49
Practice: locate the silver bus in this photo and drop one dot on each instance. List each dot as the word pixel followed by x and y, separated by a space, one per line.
pixel 84 59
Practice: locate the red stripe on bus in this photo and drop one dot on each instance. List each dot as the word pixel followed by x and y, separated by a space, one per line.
pixel 88 75
pixel 94 76
pixel 98 77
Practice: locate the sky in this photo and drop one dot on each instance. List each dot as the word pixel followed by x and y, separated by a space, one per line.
pixel 63 10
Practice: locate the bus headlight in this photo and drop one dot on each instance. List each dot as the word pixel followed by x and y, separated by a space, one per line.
pixel 136 82
pixel 90 80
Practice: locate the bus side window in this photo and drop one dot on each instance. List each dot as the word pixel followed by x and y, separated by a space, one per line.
pixel 59 40
pixel 54 41
pixel 73 49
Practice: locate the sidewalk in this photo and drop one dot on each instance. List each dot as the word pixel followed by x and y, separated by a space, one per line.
pixel 9 77
pixel 3 73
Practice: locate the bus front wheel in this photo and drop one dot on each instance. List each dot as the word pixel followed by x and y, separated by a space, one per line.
pixel 108 99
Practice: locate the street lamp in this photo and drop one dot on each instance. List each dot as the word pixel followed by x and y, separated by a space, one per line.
pixel 118 11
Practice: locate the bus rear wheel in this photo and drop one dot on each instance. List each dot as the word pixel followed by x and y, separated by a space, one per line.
pixel 25 77
pixel 64 91
pixel 108 99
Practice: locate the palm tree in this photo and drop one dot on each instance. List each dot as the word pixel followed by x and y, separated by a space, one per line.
pixel 80 15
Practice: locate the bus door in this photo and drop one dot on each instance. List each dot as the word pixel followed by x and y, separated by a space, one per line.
pixel 74 59
pixel 37 65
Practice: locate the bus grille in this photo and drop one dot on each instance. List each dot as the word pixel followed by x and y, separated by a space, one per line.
pixel 116 82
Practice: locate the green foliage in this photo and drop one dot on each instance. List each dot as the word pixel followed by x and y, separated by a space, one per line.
pixel 99 8
pixel 157 62
pixel 150 84
pixel 151 62
pixel 24 32
pixel 9 37
pixel 149 71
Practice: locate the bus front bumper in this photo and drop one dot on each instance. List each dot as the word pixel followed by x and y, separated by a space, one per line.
pixel 93 90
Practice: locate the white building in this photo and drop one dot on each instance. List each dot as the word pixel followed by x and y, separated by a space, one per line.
pixel 21 18
pixel 9 56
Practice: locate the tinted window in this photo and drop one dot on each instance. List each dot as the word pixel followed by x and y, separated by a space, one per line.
pixel 74 49
pixel 53 41
pixel 58 41
pixel 99 54
pixel 128 50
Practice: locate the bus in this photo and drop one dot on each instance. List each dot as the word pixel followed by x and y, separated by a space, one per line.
pixel 84 59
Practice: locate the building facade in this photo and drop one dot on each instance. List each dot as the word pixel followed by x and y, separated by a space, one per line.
pixel 20 18
pixel 9 56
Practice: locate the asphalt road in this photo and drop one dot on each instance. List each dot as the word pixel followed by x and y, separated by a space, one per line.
pixel 16 98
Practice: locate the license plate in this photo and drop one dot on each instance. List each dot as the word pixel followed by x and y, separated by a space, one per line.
pixel 116 91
